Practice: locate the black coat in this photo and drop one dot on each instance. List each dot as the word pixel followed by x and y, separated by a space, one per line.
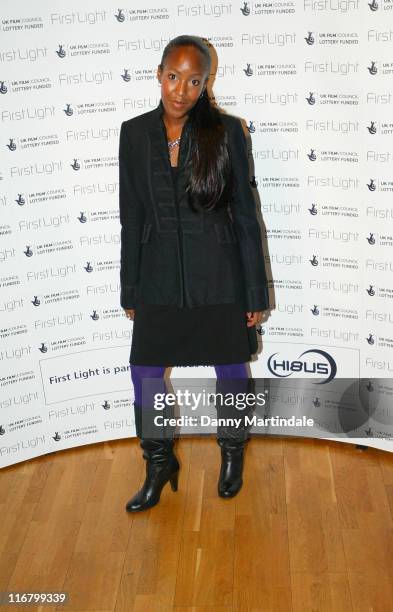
pixel 173 256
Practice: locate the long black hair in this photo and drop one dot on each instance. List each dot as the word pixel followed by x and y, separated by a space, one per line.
pixel 210 176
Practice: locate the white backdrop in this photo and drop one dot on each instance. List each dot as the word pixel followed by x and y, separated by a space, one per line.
pixel 312 81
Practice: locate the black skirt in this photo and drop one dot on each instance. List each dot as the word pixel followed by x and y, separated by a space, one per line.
pixel 203 335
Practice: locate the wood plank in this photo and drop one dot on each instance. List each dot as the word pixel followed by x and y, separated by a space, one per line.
pixel 311 529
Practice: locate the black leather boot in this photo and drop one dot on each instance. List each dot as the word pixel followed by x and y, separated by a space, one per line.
pixel 231 473
pixel 231 438
pixel 161 464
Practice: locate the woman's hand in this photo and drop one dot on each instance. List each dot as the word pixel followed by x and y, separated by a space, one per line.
pixel 255 318
pixel 130 313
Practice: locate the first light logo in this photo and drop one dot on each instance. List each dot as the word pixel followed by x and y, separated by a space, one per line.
pixel 314 362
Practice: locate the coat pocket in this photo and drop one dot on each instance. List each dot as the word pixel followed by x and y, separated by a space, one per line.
pixel 146 233
pixel 225 233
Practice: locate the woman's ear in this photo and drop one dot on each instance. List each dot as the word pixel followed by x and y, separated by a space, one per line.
pixel 159 74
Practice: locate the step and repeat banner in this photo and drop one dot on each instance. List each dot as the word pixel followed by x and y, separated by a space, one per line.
pixel 312 81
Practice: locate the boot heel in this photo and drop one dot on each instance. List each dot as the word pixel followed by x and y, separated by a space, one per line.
pixel 174 480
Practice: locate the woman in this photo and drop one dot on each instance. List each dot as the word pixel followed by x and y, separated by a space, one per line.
pixel 192 271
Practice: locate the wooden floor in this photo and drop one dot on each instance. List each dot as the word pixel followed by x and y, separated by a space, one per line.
pixel 311 530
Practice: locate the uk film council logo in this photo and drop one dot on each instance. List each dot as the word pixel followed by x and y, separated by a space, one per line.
pixel 372 128
pixel 311 98
pixel 248 71
pixel 245 10
pixel 119 16
pixel 68 110
pixel 312 155
pixel 11 145
pixel 60 52
pixel 313 362
pixel 310 40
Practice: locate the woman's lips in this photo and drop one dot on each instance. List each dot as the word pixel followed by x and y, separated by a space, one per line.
pixel 178 104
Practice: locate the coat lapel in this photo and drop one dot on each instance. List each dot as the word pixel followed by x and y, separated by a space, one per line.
pixel 163 192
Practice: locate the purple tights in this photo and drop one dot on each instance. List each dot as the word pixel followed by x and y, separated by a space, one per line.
pixel 138 373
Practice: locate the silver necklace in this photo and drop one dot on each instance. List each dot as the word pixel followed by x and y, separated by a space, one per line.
pixel 173 143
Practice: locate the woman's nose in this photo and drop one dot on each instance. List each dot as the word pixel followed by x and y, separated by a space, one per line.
pixel 182 88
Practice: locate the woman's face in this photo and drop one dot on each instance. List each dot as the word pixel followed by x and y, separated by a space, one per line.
pixel 182 80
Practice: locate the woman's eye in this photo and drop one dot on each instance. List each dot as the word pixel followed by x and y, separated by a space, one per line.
pixel 171 75
pixel 195 82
